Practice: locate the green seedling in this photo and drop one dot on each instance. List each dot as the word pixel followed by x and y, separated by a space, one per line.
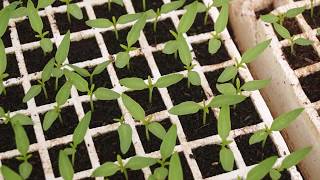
pixel 3 67
pixel 106 23
pixel 119 2
pixel 73 10
pixel 23 11
pixel 138 114
pixel 165 8
pixel 37 26
pixel 65 166
pixel 278 124
pixel 190 107
pixel 293 40
pixel 262 169
pixel 205 8
pixel 139 84
pixel 271 18
pixel 125 135
pixel 135 163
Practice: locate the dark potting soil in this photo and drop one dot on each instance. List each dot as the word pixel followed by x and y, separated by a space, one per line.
pixel 12 66
pixel 136 175
pixel 74 26
pixel 292 25
pixel 6 39
pixel 81 163
pixel 35 161
pixel 50 86
pixel 310 85
pixel 154 143
pixel 142 97
pixel 108 147
pixel 205 58
pixel 12 99
pixel 314 21
pixel 36 60
pixel 138 68
pixel 212 78
pixel 69 123
pixel 264 11
pixel 253 154
pixel 7 139
pixel 137 4
pixel 85 49
pixel 207 158
pixel 59 3
pixel 162 33
pixel 26 33
pixel 113 44
pixel 199 26
pixel 104 112
pixel 102 11
pixel 304 56
pixel 167 63
pixel 180 92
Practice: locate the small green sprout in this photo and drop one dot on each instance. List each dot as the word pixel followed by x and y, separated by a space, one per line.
pixel 125 135
pixel 262 169
pixel 190 107
pixel 138 114
pixel 73 10
pixel 37 26
pixel 135 163
pixel 278 124
pixel 139 84
pixel 293 40
pixel 119 2
pixel 65 166
pixel 271 18
pixel 3 67
pixel 106 23
pixel 205 8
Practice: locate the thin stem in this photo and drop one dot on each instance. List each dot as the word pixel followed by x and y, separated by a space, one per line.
pixel 150 94
pixel 73 157
pixel 44 90
pixel 155 24
pixel 109 5
pixel 91 102
pixel 116 32
pixel 206 17
pixel 144 5
pixel 125 174
pixel 56 84
pixel 91 79
pixel 292 48
pixel 204 118
pixel 147 133
pixel 188 83
pixel 312 8
pixel 60 118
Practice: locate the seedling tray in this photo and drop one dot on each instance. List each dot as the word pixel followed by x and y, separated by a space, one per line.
pixel 197 146
pixel 294 83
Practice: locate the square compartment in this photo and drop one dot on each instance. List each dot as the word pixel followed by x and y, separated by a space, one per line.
pixel 167 63
pixel 102 11
pixel 212 78
pixel 74 26
pixel 6 38
pixel 314 21
pixel 83 50
pixel 162 33
pixel 311 86
pixel 138 67
pixel 12 66
pixel 12 99
pixel 36 60
pixel 137 4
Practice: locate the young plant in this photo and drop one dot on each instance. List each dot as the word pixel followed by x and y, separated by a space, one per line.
pixel 73 10
pixel 65 166
pixel 125 135
pixel 106 23
pixel 139 84
pixel 3 67
pixel 190 107
pixel 278 124
pixel 138 114
pixel 135 163
pixel 37 26
pixel 262 169
pixel 271 18
pixel 205 8
pixel 119 2
pixel 293 40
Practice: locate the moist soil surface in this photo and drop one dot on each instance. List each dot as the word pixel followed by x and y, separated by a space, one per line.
pixel 310 84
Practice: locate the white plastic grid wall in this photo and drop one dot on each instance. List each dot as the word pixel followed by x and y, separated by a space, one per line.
pixel 185 146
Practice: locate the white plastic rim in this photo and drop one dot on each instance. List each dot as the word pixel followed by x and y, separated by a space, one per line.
pixel 186 147
pixel 285 92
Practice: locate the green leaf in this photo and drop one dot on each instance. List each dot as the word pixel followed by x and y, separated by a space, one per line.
pixel 63 94
pixel 19 12
pixel 34 91
pixel 168 80
pixel 134 32
pixel 252 53
pixel 160 173
pixel 44 3
pixel 226 159
pixel 138 162
pixel 99 23
pixel 100 68
pixel 21 139
pixel 122 59
pixel 125 136
pixel 274 174
pixel 65 166
pixel 258 136
pixel 175 168
pixel 63 49
pixel 106 94
pixel 81 129
pixel 303 42
pixel 168 142
pixel 76 80
pixel 75 11
pixel 228 74
pixel 127 18
pixel 227 89
pixel 214 45
pixel 194 78
pixel 34 18
pixel 255 85
pixel 157 129
pixel 9 174
pixel 170 47
pixel 119 2
pixel 282 31
pixel 49 119
pixel 5 14
pixel 226 100
pixel 224 122
pixel 184 51
pixel 81 71
pixel 295 157
pixel 222 20
pixel 133 107
pixel 269 18
pixel 134 83
pixel 284 120
pixel 188 107
pixel 46 45
pixel 25 169
pixel 105 170
pixel 21 119
pixel 168 7
pixel 3 58
pixel 188 18
pixel 291 13
pixel 262 169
